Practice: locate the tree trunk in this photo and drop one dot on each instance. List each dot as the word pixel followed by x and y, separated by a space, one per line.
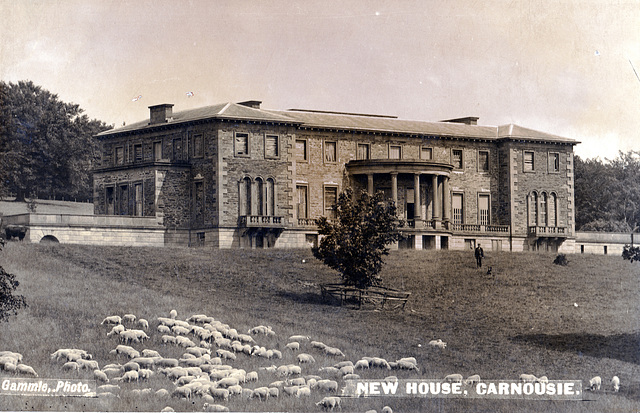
pixel 20 196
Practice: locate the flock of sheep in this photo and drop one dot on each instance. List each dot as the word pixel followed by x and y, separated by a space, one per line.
pixel 205 371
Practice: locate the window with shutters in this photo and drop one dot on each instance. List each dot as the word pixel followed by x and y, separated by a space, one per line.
pixel 271 149
pixel 483 161
pixel 457 205
pixel 157 151
pixel 528 162
pixel 241 144
pixel 198 146
pixel 395 152
pixel 301 150
pixel 302 201
pixel 484 209
pixel 137 152
pixel 456 158
pixel 119 155
pixel 363 151
pixel 330 152
pixel 330 200
pixel 426 153
pixel 554 162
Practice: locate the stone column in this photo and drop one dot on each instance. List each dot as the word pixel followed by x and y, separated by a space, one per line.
pixel 254 198
pixel 370 184
pixel 417 207
pixel 394 188
pixel 436 198
pixel 446 213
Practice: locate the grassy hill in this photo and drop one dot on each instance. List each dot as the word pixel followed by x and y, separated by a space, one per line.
pixel 43 206
pixel 530 316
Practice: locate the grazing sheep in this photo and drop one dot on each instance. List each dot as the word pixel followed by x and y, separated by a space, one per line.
pixel 87 364
pixel 233 390
pixel 303 391
pixel 305 358
pixel 595 383
pixel 319 345
pixel 129 318
pixel 129 376
pixel 542 379
pixel 228 381
pixel 438 343
pixel 144 324
pixel 220 394
pixel 252 376
pixel 162 329
pixel 162 393
pixel 261 393
pixel 386 409
pixel 113 388
pixel 70 365
pixel 290 390
pixel 133 336
pixel 343 364
pixel 150 353
pixel 274 392
pixel 69 354
pixel 266 330
pixel 298 381
pixel 114 319
pixel 197 351
pixel 167 409
pixel 112 372
pixel 361 364
pixel 214 408
pixel 167 339
pixel 329 403
pixel 116 330
pixel 166 362
pixel 130 352
pixel 173 314
pixel 406 365
pixel 16 356
pixel 246 339
pixel 327 385
pixel 107 395
pixel 299 338
pixel 293 346
pixel 346 370
pixel 275 354
pixel 527 378
pixel 182 392
pixel 144 374
pixel 24 369
pixel 615 382
pixel 100 376
pixel 454 378
pixel 474 379
pixel 224 354
pixel 329 370
pixel 351 376
pixel 334 352
pixel 180 330
pixel 184 342
pixel 131 366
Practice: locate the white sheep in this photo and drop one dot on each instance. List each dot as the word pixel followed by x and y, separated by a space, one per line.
pixel 162 393
pixel 306 358
pixel 166 362
pixel 178 330
pixel 327 385
pixel 167 409
pixel 615 382
pixel 113 388
pixel 595 383
pixel 351 376
pixel 144 324
pixel 87 364
pixel 361 364
pixel 298 381
pixel 528 378
pixel 303 391
pixel 182 392
pixel 438 343
pixel 130 352
pixel 150 353
pixel 454 378
pixel 299 338
pixel 173 314
pixel 329 403
pixel 70 365
pixel 222 394
pixel 332 351
pixel 24 369
pixel 274 392
pixel 542 379
pixel 252 376
pixel 261 393
pixel 113 319
pixel 474 379
pixel 167 339
pixel 184 342
pixel 16 356
pixel 386 409
pixel 132 365
pixel 100 376
pixel 116 330
pixel 224 354
pixel 214 408
pixel 133 336
pixel 162 329
pixel 318 344
pixel 129 318
pixel 293 346
pixel 346 370
pixel 129 376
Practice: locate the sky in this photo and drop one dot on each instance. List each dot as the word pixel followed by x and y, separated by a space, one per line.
pixel 567 67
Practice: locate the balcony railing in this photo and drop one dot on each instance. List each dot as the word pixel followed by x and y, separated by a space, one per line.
pixel 306 222
pixel 476 228
pixel 554 232
pixel 260 221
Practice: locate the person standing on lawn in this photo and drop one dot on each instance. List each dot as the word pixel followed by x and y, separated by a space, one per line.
pixel 479 253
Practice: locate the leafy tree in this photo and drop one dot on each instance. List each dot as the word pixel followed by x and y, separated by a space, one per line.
pixel 631 253
pixel 46 145
pixel 9 303
pixel 356 241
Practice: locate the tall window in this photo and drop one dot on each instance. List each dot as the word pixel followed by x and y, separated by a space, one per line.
pixel 529 165
pixel 138 201
pixel 241 143
pixel 330 154
pixel 137 152
pixel 456 158
pixel 553 208
pixel 302 201
pixel 426 153
pixel 483 209
pixel 110 200
pixel 245 197
pixel 483 161
pixel 157 151
pixel 119 155
pixel 532 207
pixel 198 202
pixel 259 197
pixel 543 209
pixel 271 197
pixel 363 151
pixel 395 152
pixel 554 162
pixel 457 205
pixel 177 149
pixel 330 199
pixel 301 150
pixel 410 196
pixel 198 146
pixel 123 200
pixel 271 149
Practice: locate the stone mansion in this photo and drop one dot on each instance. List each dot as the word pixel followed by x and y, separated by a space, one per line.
pixel 237 175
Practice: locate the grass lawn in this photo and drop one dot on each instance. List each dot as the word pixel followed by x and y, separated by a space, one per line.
pixel 531 316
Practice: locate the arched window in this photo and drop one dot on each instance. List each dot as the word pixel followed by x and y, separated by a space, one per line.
pixel 532 209
pixel 245 196
pixel 259 197
pixel 553 210
pixel 543 209
pixel 271 197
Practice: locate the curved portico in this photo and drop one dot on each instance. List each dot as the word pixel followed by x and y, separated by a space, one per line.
pixel 433 174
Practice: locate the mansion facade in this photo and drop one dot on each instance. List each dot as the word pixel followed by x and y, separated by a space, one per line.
pixel 237 175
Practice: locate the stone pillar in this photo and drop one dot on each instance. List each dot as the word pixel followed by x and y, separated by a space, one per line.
pixel 436 198
pixel 446 213
pixel 394 188
pixel 370 184
pixel 254 198
pixel 417 207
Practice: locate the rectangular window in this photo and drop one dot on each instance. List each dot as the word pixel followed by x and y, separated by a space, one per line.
pixel 483 209
pixel 157 151
pixel 330 200
pixel 330 154
pixel 457 205
pixel 529 165
pixel 456 158
pixel 119 155
pixel 177 149
pixel 198 202
pixel 483 161
pixel 554 162
pixel 137 153
pixel 302 201
pixel 110 200
pixel 138 201
pixel 363 151
pixel 198 146
pixel 123 200
pixel 242 144
pixel 271 146
pixel 426 154
pixel 301 150
pixel 395 152
pixel 410 209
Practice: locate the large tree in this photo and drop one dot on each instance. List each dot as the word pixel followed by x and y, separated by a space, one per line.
pixel 46 145
pixel 356 241
pixel 9 302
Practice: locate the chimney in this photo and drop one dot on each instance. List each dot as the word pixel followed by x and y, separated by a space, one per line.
pixel 160 113
pixel 469 120
pixel 254 104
